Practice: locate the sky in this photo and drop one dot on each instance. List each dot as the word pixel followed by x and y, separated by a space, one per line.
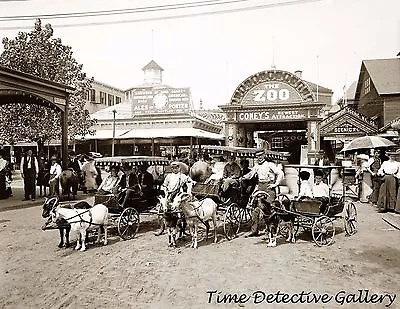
pixel 213 48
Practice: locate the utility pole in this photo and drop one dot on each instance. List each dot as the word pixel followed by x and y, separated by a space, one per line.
pixel 113 136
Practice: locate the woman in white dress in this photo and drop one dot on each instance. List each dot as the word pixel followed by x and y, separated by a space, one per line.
pixel 89 174
pixel 390 170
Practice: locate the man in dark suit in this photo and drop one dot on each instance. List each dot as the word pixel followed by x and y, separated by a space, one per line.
pixel 29 171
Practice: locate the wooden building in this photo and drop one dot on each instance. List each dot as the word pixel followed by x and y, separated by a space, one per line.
pixel 378 90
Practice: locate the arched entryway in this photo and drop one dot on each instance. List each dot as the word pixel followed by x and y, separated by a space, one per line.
pixel 278 106
pixel 17 87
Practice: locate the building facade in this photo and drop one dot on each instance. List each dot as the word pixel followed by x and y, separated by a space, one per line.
pixel 153 119
pixel 101 96
pixel 378 90
pixel 277 110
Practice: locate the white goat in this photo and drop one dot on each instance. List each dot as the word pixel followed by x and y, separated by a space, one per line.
pixel 195 212
pixel 83 219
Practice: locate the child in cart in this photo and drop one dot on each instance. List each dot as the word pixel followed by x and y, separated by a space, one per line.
pixel 305 186
pixel 321 190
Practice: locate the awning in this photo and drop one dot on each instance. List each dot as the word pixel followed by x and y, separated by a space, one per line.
pixel 170 133
pixel 104 134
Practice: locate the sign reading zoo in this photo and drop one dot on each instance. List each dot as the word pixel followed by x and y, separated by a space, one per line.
pixel 160 100
pixel 271 92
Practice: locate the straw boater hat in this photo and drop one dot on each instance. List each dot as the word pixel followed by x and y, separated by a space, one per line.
pixel 53 158
pixel 391 153
pixel 260 152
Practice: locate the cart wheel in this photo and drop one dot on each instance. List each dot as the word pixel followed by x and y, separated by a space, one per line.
pixel 128 223
pixel 232 219
pixel 323 231
pixel 350 219
pixel 245 215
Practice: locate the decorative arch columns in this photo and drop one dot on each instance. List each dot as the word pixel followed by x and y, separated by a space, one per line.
pixel 18 87
pixel 273 100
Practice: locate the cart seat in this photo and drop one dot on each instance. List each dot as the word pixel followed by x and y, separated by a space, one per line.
pixel 308 206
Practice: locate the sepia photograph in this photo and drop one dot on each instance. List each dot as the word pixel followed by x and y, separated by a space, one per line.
pixel 199 154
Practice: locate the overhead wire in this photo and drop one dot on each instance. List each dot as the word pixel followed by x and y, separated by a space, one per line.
pixel 158 18
pixel 124 11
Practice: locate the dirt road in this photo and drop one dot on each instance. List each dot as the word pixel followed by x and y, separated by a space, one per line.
pixel 145 273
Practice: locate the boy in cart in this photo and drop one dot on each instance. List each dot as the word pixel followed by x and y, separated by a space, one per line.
pixel 321 190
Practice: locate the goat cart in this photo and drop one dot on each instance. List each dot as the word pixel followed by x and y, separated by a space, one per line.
pixel 233 208
pixel 318 215
pixel 127 219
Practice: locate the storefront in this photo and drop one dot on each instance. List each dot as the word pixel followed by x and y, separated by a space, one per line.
pixel 277 110
pixel 345 125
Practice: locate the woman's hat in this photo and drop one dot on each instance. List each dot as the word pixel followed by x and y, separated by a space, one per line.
pixel 53 158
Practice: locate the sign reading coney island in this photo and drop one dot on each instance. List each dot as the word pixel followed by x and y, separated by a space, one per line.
pixel 160 100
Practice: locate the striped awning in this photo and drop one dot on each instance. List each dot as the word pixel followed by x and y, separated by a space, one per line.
pixel 131 160
pixel 244 152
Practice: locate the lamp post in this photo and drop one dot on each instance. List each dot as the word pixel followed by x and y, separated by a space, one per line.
pixel 113 136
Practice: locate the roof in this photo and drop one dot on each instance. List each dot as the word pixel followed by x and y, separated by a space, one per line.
pixel 123 111
pixel 104 134
pixel 385 74
pixel 313 87
pixel 350 93
pixel 152 65
pixel 170 133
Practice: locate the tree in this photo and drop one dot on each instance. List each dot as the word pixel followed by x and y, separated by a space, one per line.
pixel 40 54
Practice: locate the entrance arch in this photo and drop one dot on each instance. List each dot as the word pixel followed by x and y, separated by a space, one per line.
pixel 274 101
pixel 18 87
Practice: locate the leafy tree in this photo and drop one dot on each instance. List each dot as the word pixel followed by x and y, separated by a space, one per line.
pixel 40 54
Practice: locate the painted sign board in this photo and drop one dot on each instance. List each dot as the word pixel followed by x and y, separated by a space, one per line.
pixel 164 100
pixel 272 115
pixel 272 92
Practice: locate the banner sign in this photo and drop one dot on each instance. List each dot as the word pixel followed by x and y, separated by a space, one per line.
pixel 272 92
pixel 273 115
pixel 156 101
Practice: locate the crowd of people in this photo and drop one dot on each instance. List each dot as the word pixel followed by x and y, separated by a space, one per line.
pixel 380 176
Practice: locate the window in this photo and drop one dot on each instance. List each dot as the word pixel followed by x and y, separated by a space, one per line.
pixel 117 100
pixel 102 97
pixel 277 143
pixel 367 85
pixel 92 95
pixel 110 100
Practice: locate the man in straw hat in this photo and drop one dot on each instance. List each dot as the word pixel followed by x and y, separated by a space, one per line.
pixel 269 178
pixel 390 170
pixel 174 183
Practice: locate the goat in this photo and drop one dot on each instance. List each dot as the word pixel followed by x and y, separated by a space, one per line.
pixel 81 220
pixel 62 225
pixel 174 222
pixel 195 212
